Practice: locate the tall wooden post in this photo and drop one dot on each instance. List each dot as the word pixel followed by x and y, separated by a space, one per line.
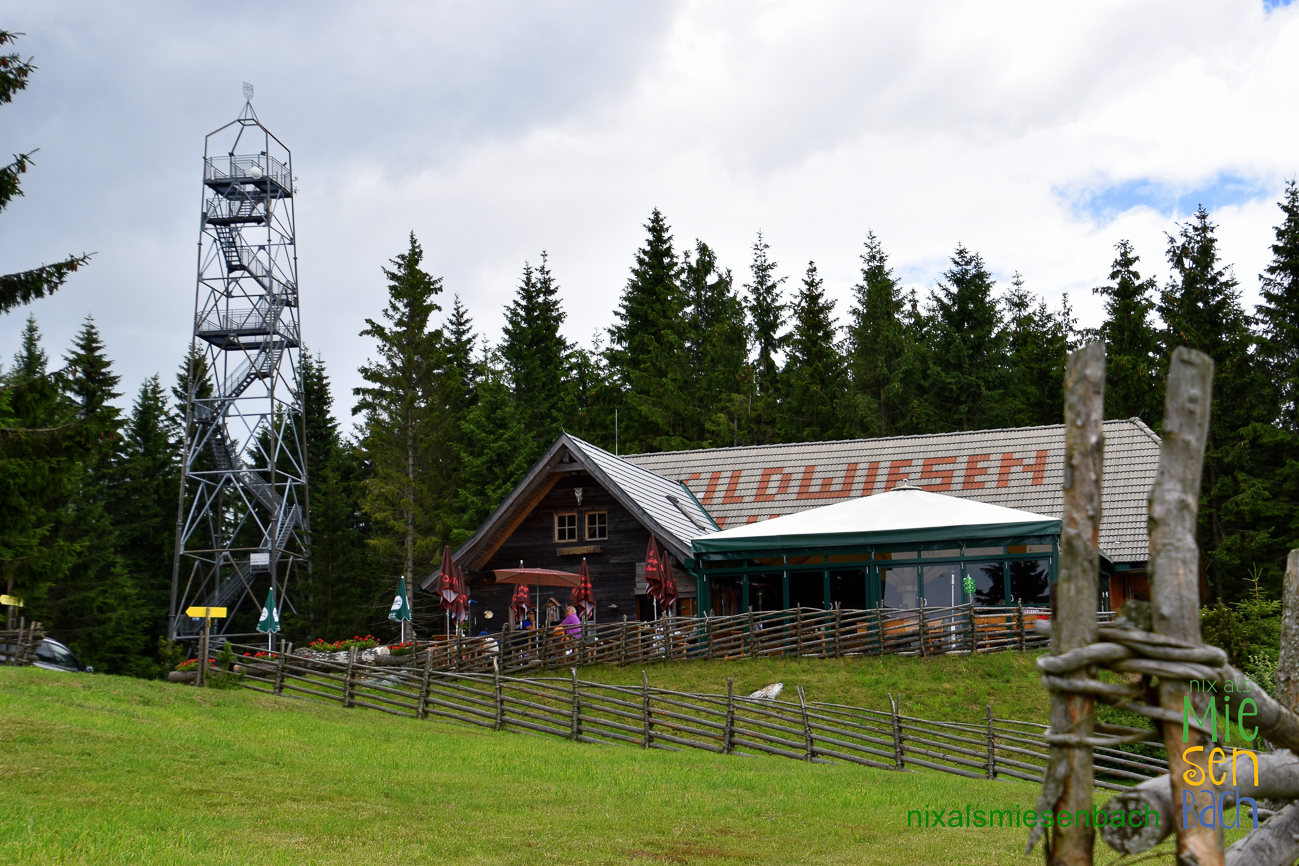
pixel 992 745
pixel 648 733
pixel 728 728
pixel 897 733
pixel 1175 575
pixel 1287 668
pixel 422 711
pixel 809 747
pixel 1074 617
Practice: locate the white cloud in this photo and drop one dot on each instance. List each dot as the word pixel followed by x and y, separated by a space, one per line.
pixel 498 130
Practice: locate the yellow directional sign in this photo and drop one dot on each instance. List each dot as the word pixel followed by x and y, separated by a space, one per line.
pixel 201 612
pixel 11 600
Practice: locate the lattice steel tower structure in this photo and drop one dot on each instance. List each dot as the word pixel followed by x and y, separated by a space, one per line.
pixel 242 520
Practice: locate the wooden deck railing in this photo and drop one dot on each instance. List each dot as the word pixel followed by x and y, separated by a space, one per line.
pixel 803 632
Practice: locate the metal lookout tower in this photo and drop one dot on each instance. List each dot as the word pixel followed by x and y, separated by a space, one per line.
pixel 241 527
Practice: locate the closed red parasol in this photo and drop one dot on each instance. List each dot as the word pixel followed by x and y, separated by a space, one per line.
pixel 460 607
pixel 659 583
pixel 582 597
pixel 520 604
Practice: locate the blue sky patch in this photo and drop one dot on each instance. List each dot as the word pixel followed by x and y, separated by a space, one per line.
pixel 1275 4
pixel 1106 202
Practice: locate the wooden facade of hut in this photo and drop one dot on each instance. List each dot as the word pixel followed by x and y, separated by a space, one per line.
pixel 581 502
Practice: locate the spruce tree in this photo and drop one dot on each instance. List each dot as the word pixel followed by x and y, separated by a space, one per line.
pixel 1133 386
pixel 39 472
pixel 1201 308
pixel 966 374
pixel 646 352
pixel 346 580
pixel 93 606
pixel 883 354
pixel 25 286
pixel 767 312
pixel 405 432
pixel 493 454
pixel 536 354
pixel 1037 341
pixel 814 381
pixel 1279 311
pixel 717 344
pixel 144 504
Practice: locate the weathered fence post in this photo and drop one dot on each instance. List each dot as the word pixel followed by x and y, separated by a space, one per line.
pixel 809 746
pixel 347 681
pixel 992 746
pixel 1069 783
pixel 1287 666
pixel 1020 637
pixel 545 647
pixel 460 656
pixel 422 712
pixel 798 635
pixel 922 628
pixel 622 645
pixel 753 635
pixel 279 671
pixel 575 728
pixel 647 736
pixel 500 696
pixel 879 628
pixel 1175 575
pixel 838 631
pixel 974 631
pixel 897 733
pixel 728 728
pixel 708 624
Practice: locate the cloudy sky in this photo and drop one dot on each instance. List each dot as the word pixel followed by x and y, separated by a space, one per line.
pixel 1038 134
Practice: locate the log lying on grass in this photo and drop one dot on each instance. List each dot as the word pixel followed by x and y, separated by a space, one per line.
pixel 1278 779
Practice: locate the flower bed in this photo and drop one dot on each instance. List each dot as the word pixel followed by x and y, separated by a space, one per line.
pixel 323 646
pixel 402 649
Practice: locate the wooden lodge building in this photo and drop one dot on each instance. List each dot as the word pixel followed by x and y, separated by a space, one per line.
pixel 580 501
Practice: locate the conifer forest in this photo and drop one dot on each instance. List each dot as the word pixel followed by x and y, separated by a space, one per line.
pixel 698 353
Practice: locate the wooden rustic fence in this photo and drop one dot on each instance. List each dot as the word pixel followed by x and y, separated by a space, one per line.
pixel 806 632
pixel 19 647
pixel 647 717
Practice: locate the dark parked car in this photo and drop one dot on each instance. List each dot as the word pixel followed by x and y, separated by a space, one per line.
pixel 54 656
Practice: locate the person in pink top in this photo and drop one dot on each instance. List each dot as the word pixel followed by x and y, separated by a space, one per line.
pixel 571 622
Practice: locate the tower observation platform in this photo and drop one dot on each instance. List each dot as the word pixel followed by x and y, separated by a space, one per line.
pixel 242 523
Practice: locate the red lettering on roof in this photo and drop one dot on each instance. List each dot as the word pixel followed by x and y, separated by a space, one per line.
pixel 826 489
pixel 973 469
pixel 720 521
pixel 1009 462
pixel 691 477
pixel 872 472
pixel 753 518
pixel 1038 468
pixel 896 475
pixel 731 487
pixel 930 469
pixel 765 481
pixel 711 490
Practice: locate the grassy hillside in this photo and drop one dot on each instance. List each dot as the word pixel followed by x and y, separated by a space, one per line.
pixel 945 688
pixel 104 769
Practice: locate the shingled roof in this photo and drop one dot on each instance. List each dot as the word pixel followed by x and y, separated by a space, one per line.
pixel 664 507
pixel 1018 468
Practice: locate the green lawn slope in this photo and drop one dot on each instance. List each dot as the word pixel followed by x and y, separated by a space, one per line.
pixel 99 769
pixel 944 688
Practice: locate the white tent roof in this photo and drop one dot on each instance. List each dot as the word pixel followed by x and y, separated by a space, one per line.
pixel 902 515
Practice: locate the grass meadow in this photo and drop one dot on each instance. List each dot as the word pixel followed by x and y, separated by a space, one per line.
pixel 99 769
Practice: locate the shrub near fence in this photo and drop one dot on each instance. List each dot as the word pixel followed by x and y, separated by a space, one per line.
pixel 647 717
pixel 806 632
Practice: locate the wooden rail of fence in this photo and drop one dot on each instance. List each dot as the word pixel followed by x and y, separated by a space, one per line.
pixel 807 632
pixel 19 647
pixel 646 717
